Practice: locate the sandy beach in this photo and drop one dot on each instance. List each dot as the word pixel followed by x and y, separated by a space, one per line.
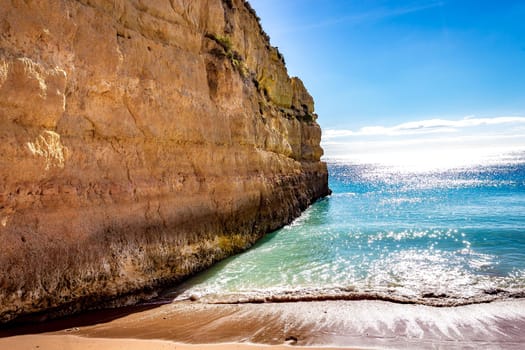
pixel 52 342
pixel 330 324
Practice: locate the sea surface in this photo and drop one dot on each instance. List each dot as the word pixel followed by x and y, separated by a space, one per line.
pixel 436 237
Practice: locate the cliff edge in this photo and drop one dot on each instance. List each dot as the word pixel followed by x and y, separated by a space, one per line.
pixel 141 141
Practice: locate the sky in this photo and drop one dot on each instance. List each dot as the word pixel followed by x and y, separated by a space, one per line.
pixel 394 78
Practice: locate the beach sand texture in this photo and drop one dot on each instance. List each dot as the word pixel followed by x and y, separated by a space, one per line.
pixel 348 324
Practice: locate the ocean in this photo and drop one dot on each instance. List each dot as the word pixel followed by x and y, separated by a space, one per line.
pixel 435 237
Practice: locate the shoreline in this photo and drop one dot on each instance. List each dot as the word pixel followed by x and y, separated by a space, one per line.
pixel 316 324
pixel 52 342
pixel 350 294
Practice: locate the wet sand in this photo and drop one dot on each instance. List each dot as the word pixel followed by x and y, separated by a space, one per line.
pixel 69 342
pixel 348 324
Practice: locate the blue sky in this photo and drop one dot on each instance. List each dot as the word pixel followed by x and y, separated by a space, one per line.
pixel 387 63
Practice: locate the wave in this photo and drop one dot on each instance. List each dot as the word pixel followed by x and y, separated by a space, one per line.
pixel 350 294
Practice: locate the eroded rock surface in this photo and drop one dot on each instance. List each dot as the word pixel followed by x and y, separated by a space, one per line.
pixel 141 141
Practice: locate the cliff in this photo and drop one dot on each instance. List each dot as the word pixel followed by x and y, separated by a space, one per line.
pixel 141 141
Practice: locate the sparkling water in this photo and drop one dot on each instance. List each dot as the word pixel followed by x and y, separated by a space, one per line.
pixel 442 237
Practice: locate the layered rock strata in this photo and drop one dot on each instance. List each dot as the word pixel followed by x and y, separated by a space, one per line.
pixel 141 141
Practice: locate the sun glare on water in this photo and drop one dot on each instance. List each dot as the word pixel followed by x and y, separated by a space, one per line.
pixel 434 159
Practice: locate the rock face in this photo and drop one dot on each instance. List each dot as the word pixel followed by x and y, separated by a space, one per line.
pixel 141 141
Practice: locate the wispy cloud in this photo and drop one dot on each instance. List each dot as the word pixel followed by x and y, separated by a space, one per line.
pixel 371 16
pixel 430 143
pixel 429 126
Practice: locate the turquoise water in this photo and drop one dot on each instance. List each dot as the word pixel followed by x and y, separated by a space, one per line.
pixel 435 237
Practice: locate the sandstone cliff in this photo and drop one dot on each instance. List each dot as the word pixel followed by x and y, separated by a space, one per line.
pixel 141 141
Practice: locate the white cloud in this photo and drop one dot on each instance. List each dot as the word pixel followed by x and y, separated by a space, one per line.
pixel 428 126
pixel 429 143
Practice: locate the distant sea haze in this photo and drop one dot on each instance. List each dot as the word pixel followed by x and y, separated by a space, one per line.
pixel 438 237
